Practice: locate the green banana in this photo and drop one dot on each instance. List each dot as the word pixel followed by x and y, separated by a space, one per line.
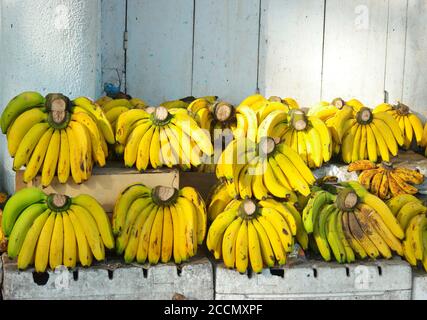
pixel 16 205
pixel 19 104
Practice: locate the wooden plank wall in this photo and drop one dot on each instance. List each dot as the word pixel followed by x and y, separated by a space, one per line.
pixel 307 49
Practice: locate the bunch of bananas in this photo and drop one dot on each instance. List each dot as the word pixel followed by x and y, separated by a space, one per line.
pixel 257 170
pixel 256 112
pixel 54 134
pixel 113 108
pixel 330 113
pixel 366 135
pixel 218 199
pixel 351 222
pixel 159 224
pixel 409 123
pixel 255 233
pixel 263 106
pixel 411 214
pixel 55 229
pixel 168 137
pixel 386 181
pixel 307 135
pixel 216 117
pixel 183 103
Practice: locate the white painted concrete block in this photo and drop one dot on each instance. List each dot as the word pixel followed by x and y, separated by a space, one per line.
pixel 112 280
pixel 419 285
pixel 382 279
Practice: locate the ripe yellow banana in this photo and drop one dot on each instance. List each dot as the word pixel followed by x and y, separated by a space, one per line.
pixel 19 128
pixel 99 215
pixel 369 230
pixel 43 244
pixel 155 240
pixel 266 249
pixel 396 203
pixel 70 242
pixel 83 249
pixel 254 248
pixel 57 243
pixel 242 248
pixel 218 226
pixel 196 199
pixel 28 144
pixel 167 236
pixel 38 156
pixel 27 252
pixel 64 158
pixel 144 237
pixel 229 242
pixel 135 227
pixel 90 229
pixel 51 159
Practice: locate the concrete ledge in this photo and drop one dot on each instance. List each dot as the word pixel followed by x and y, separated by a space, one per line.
pixel 419 285
pixel 112 280
pixel 382 279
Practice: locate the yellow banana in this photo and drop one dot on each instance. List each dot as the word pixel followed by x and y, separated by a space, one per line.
pixel 43 244
pixel 28 144
pixel 83 248
pixel 167 236
pixel 229 242
pixel 254 248
pixel 27 251
pixel 19 128
pixel 242 248
pixel 38 156
pixel 266 249
pixel 90 229
pixel 155 244
pixel 51 159
pixel 135 231
pixel 70 242
pixel 57 243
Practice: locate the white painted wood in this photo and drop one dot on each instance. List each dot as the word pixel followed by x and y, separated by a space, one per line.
pixel 355 49
pixel 291 49
pixel 415 78
pixel 113 14
pixel 395 60
pixel 226 48
pixel 159 57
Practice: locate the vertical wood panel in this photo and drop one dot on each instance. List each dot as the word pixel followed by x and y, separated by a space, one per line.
pixel 226 48
pixel 355 49
pixel 159 57
pixel 415 78
pixel 291 49
pixel 113 14
pixel 395 60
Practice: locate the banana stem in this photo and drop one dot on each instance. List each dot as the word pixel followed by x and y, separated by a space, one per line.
pixel 58 202
pixel 163 195
pixel 160 116
pixel 364 116
pixel 402 109
pixel 347 200
pixel 248 209
pixel 223 111
pixel 387 165
pixel 275 99
pixel 58 107
pixel 150 110
pixel 266 146
pixel 338 102
pixel 298 120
